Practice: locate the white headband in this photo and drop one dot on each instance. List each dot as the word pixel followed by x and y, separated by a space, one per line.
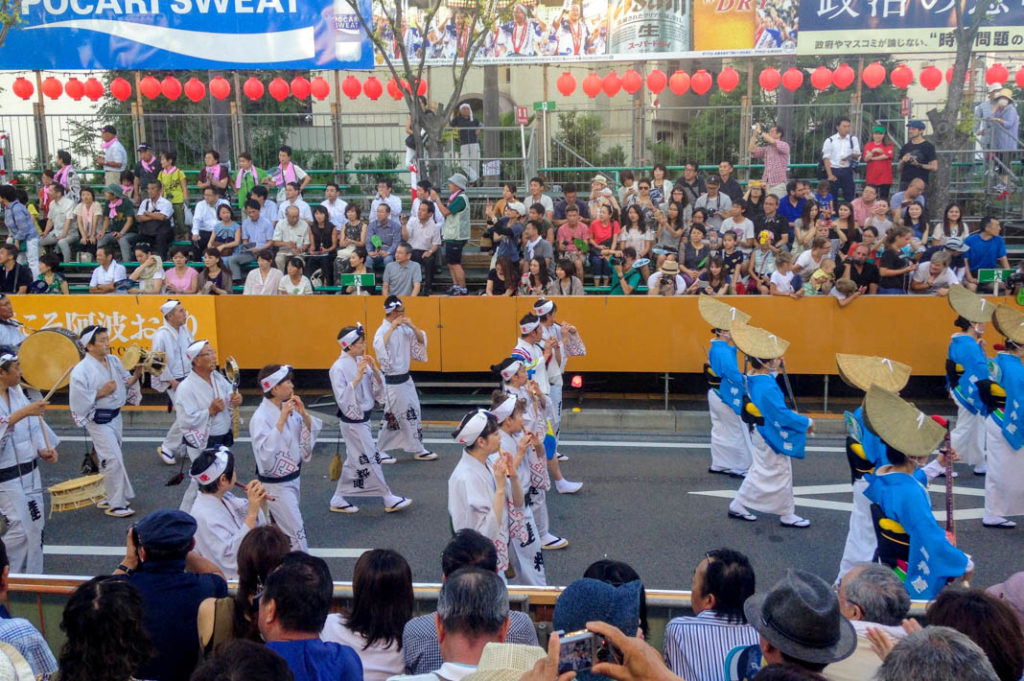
pixel 543 307
pixel 468 434
pixel 215 469
pixel 86 337
pixel 193 350
pixel 273 379
pixel 168 307
pixel 505 409
pixel 511 370
pixel 7 358
pixel 393 305
pixel 352 336
pixel 528 327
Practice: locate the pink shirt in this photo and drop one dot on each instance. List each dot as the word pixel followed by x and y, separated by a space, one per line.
pixel 566 234
pixel 183 283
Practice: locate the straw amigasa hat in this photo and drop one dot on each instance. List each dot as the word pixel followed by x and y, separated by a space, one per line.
pixel 757 343
pixel 863 371
pixel 506 662
pixel 718 314
pixel 1009 321
pixel 900 424
pixel 970 305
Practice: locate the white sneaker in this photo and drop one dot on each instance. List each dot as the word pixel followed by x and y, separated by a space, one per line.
pixel 550 542
pixel 168 459
pixel 561 457
pixel 565 487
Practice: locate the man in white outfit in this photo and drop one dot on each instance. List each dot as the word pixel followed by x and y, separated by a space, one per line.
pixel 172 339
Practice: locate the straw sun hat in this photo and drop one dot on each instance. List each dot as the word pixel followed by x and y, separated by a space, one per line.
pixel 718 314
pixel 970 305
pixel 757 343
pixel 900 424
pixel 1009 322
pixel 863 371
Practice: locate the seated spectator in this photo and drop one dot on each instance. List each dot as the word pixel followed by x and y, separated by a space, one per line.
pixel 616 573
pixel 221 620
pixel 386 197
pixel 714 281
pixel 173 581
pixel 873 243
pixel 798 621
pixel 323 242
pixel 914 193
pixel 862 272
pixel 732 262
pixel 215 279
pixel 180 279
pixel 20 633
pixel 268 206
pixel 382 604
pixel 934 277
pixel 106 274
pixel 535 213
pixel 895 265
pixel 667 281
pixel 502 279
pixel 357 265
pixel 291 236
pixel 761 264
pixel 257 234
pixel 60 217
pixel 696 254
pixel 738 222
pixel 103 621
pixel 89 215
pixel 783 281
pixel 626 276
pixel 863 204
pixel 423 233
pixel 467 549
pixel 773 221
pixel 804 227
pixel 696 647
pixel 913 216
pixel 588 600
pixel 573 236
pixel 565 283
pixel 601 195
pixel 149 275
pixel 422 193
pixel 825 199
pixel 204 217
pixel 952 224
pixel 536 246
pixel 936 654
pixel 535 280
pixel 985 250
pixel 154 218
pixel 294 282
pixel 50 279
pixel 118 222
pixel 870 596
pixel 291 195
pixel 845 292
pixel 604 239
pixel 988 621
pixel 353 232
pixel 495 211
pixel 214 173
pixel 810 260
pixel 244 660
pixel 792 205
pixel 669 232
pixel 879 218
pixel 845 225
pixel 402 277
pixel 571 199
pixel 821 281
pixel 715 204
pixel 824 229
pixel 754 198
pixel 383 236
pixel 227 234
pixel 636 233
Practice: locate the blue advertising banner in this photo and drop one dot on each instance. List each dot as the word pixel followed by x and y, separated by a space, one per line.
pixel 188 34
pixel 846 27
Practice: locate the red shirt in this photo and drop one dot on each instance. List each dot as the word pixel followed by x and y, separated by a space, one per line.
pixel 879 172
pixel 602 233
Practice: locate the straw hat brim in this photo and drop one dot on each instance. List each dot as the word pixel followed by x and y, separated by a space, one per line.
pixel 758 343
pixel 505 662
pixel 863 371
pixel 900 424
pixel 718 314
pixel 970 305
pixel 1009 321
pixel 19 665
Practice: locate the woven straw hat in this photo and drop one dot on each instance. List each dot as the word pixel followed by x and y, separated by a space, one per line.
pixel 970 305
pixel 505 662
pixel 863 371
pixel 900 424
pixel 1009 321
pixel 757 343
pixel 718 314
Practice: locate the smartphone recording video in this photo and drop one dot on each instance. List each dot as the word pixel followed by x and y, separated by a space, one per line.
pixel 577 651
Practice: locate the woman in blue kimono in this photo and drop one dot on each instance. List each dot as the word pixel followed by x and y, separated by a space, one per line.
pixel 967 375
pixel 1004 431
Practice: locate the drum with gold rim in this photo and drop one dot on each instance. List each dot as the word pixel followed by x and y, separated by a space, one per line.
pixel 46 356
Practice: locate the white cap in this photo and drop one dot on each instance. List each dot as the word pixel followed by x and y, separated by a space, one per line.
pixel 168 307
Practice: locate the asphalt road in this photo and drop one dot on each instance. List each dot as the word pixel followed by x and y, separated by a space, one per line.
pixel 648 501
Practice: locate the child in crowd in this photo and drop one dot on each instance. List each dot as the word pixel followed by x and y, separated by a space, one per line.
pixel 825 199
pixel 732 261
pixel 822 279
pixel 783 282
pixel 845 292
pixel 761 265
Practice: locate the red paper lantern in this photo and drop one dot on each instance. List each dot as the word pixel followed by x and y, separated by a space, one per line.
pixel 253 88
pixel 321 89
pixel 930 78
pixel 220 88
pixel 170 87
pixel 632 81
pixel 592 85
pixel 278 89
pixel 873 75
pixel 843 76
pixel 52 88
pixel 769 79
pixel 351 87
pixel 301 87
pixel 393 90
pixel 821 78
pixel 566 84
pixel 997 73
pixel 611 84
pixel 1019 77
pixel 701 82
pixel 121 89
pixel 403 86
pixel 792 79
pixel 149 87
pixel 372 88
pixel 902 76
pixel 421 87
pixel 728 79
pixel 679 83
pixel 74 88
pixel 194 89
pixel 23 88
pixel 93 89
pixel 656 81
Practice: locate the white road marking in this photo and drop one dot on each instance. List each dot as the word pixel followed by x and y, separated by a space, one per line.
pixel 70 550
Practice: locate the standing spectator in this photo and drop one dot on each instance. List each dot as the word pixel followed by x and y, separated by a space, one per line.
pixel 565 283
pixel 44 197
pixel 147 168
pixel 1005 128
pixel 895 265
pixel 792 204
pixel 775 153
pixel 265 279
pixel 934 277
pixel 511 232
pixel 604 236
pixel 215 279
pixel 114 158
pixel 860 271
pixel 537 195
pixel 204 219
pixel 937 654
pixel 20 225
pixel 287 172
pixel 864 204
pixel 424 236
pixel 108 271
pixel 715 204
pixel 839 155
pixel 154 217
pixel 402 277
pixel 175 190
pixel 382 604
pixel 456 230
pixel 917 156
pixel 180 279
pixel 103 622
pixel 422 194
pixel 570 199
pixel 728 185
pixel 982 114
pixel 986 250
pixel 60 217
pixel 14 277
pixel 335 205
pixel 88 214
pixel 291 236
pixel 384 196
pixel 247 178
pixel 294 282
pixel 775 223
pixel 214 174
pixel 691 182
pixel 696 647
pixel 952 224
pixel 292 613
pixel 468 129
pixel 878 157
pixel 257 234
pixel 67 176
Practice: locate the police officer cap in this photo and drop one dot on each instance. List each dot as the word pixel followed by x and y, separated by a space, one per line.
pixel 166 530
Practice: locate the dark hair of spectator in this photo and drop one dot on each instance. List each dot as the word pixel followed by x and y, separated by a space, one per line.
pixel 296 186
pixel 143 246
pixel 171 156
pixel 511 186
pixel 568 188
pixel 635 218
pixel 507 269
pixel 810 213
pixel 567 266
pixel 469 548
pixel 537 208
pixel 542 279
pixel 265 254
pixel 243 660
pixel 717 280
pixel 539 180
pixel 949 227
pixel 988 621
pixel 180 250
pixel 353 207
pixel 210 188
pixel 361 253
pixel 386 181
pixel 296 262
pixel 617 573
pixel 985 222
pixel 213 253
pixel 779 128
pixel 429 205
pixel 424 185
pixel 682 200
pixel 88 190
pixel 49 172
pixel 260 191
pixel 324 213
pixel 629 253
pixel 729 577
pixel 252 204
pixel 662 168
pixel 572 208
pixel 64 156
pixel 22 196
pixel 7 193
pixel 262 549
pixel 285 148
pixel 626 175
pixel 51 260
pixel 222 207
pixel 841 120
pixel 698 227
pixel 57 187
pixel 332 184
pixel 382 597
pixel 301 590
pixel 246 155
pixel 214 153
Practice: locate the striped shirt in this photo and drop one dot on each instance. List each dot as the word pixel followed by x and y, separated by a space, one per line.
pixel 696 647
pixel 423 654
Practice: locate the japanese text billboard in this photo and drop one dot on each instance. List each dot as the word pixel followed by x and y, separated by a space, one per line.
pixel 899 26
pixel 187 34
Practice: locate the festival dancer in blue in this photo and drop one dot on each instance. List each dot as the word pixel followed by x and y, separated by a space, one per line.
pixel 967 375
pixel 1004 431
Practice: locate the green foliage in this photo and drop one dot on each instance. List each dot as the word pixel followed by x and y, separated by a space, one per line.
pixel 10 17
pixel 381 160
pixel 615 156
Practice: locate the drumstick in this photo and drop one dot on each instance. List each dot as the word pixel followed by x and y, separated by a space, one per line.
pixel 58 384
pixel 241 486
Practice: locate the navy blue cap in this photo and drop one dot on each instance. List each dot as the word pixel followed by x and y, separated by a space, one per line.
pixel 916 124
pixel 166 530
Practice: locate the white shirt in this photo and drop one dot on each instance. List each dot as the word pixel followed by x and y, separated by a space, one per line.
pixel 286 232
pixel 204 217
pixel 220 529
pixel 115 153
pixel 394 203
pixel 423 237
pixel 256 285
pixel 336 211
pixel 544 200
pixel 22 443
pixel 783 282
pixel 173 343
pixel 305 212
pixel 192 408
pixel 60 212
pixel 380 662
pixel 401 349
pixel 161 205
pixel 415 210
pixel 837 149
pixel 471 490
pixel 807 264
pixel 88 377
pixel 355 399
pixel 281 453
pixel 113 273
pixel 744 229
pixel 945 279
pixel 654 281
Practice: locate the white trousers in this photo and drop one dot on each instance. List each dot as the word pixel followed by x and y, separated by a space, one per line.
pixel 528 557
pixel 470 154
pixel 555 409
pixel 21 502
pixel 174 441
pixel 361 474
pixel 860 540
pixel 768 486
pixel 539 507
pixel 284 510
pixel 402 427
pixel 106 439
pixel 32 256
pixel 968 437
pixel 730 437
pixel 1004 481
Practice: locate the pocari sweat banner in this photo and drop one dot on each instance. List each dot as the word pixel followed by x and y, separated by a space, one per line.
pixel 188 34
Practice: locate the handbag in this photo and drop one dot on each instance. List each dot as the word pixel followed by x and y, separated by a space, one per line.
pixel 188 215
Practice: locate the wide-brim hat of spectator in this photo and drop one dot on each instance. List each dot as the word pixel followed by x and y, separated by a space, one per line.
pixel 505 662
pixel 1011 591
pixel 1005 92
pixel 970 305
pixel 459 180
pixel 1009 322
pixel 599 179
pixel 900 424
pixel 956 244
pixel 114 189
pixel 718 314
pixel 757 343
pixel 670 268
pixel 517 206
pixel 13 665
pixel 863 371
pixel 995 87
pixel 590 600
pixel 800 616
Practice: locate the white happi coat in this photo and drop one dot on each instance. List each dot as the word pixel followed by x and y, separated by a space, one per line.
pixel 11 334
pixel 220 529
pixel 540 482
pixel 21 498
pixel 524 536
pixel 281 455
pixel 402 427
pixel 87 378
pixel 571 346
pixel 471 489
pixel 361 474
pixel 192 418
pixel 173 343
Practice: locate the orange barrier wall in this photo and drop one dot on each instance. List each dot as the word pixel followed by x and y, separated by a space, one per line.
pixel 468 334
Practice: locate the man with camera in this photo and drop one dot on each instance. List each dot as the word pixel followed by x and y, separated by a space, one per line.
pixel 626 275
pixel 917 157
pixel 863 273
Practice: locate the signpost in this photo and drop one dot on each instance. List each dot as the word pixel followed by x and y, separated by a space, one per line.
pixel 994 277
pixel 359 281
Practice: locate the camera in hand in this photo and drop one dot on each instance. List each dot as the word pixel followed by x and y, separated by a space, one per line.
pixel 616 260
pixel 580 650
